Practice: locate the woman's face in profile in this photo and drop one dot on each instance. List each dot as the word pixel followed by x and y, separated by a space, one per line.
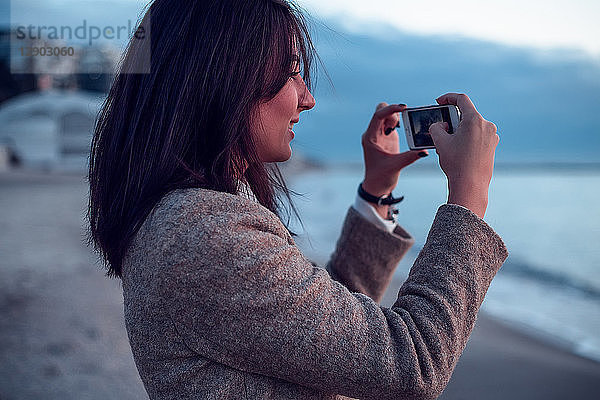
pixel 276 119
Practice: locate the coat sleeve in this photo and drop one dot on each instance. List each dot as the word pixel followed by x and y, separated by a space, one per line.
pixel 366 256
pixel 239 292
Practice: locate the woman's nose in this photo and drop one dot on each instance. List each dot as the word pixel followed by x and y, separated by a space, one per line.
pixel 307 101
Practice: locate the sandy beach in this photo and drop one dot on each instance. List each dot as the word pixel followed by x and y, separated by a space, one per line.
pixel 62 334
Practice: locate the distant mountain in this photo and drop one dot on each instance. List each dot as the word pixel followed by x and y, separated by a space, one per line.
pixel 546 104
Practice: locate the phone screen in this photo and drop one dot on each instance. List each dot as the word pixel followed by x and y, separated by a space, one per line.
pixel 421 120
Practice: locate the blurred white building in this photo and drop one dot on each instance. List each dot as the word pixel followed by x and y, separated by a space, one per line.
pixel 51 129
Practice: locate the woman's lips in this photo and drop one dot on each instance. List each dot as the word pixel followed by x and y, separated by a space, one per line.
pixel 291 127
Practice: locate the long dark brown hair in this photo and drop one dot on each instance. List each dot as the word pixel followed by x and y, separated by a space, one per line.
pixel 186 123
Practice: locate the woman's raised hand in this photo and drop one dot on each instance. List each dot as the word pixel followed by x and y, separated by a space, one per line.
pixel 467 155
pixel 383 161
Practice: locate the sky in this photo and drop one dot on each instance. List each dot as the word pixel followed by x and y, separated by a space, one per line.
pixel 543 24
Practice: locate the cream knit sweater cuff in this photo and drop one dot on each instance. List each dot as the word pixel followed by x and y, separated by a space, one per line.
pixel 368 211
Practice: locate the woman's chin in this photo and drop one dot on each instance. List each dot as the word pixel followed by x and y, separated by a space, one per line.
pixel 279 157
pixel 286 156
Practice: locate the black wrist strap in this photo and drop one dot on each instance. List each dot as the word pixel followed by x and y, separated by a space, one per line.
pixel 386 199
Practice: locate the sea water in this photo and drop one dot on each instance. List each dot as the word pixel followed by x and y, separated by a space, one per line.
pixel 549 221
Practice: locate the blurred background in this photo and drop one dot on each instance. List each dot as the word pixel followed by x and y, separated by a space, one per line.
pixel 532 67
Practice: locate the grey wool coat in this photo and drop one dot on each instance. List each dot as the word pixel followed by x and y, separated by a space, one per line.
pixel 219 303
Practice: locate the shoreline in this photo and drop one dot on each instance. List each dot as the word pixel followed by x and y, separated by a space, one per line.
pixel 300 164
pixel 517 327
pixel 504 359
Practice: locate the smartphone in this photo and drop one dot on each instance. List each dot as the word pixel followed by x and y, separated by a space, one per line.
pixel 417 121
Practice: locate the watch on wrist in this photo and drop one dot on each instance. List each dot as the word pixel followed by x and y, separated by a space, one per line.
pixel 383 200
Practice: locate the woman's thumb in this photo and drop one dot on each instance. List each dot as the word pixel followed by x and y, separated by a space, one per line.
pixel 407 158
pixel 438 131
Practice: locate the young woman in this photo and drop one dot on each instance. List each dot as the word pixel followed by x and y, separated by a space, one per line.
pixel 219 302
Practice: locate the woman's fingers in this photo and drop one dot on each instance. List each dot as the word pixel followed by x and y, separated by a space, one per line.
pixel 390 122
pixel 381 105
pixel 462 101
pixel 385 116
pixel 389 114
